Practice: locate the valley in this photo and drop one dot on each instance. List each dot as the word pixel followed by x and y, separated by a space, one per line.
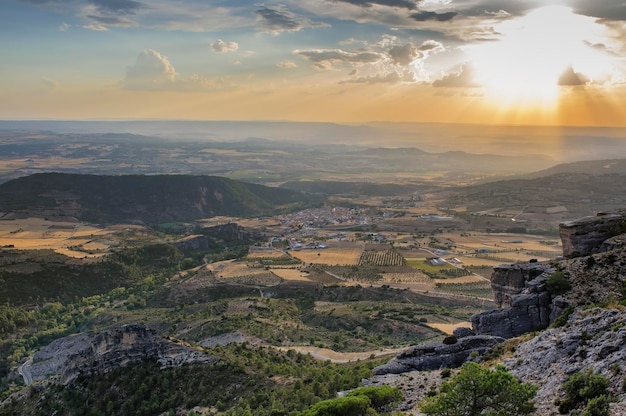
pixel 321 275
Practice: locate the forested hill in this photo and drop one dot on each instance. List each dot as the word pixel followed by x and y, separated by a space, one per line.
pixel 149 199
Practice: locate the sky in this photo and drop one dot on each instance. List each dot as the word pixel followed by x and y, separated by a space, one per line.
pixel 347 61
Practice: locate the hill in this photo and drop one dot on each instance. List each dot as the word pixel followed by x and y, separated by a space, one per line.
pixel 354 188
pixel 574 191
pixel 590 167
pixel 148 199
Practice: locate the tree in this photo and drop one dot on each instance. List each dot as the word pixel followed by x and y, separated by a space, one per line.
pixel 476 390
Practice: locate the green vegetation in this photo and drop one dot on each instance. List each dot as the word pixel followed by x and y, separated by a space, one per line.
pixel 155 199
pixel 364 401
pixel 476 390
pixel 585 390
pixel 381 258
pixel 244 380
pixel 557 284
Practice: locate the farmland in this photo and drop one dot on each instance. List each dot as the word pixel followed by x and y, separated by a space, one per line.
pixel 337 253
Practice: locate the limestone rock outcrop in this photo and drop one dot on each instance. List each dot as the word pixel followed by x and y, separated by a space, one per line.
pixel 592 339
pixel 438 355
pixel 524 303
pixel 89 353
pixel 585 236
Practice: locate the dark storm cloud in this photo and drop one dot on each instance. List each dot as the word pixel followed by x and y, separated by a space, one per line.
pixel 405 4
pixel 439 17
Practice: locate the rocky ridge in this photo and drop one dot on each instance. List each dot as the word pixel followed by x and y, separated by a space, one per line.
pixel 89 353
pixel 592 338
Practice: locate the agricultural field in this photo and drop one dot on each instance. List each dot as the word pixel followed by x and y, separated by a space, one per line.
pixel 337 254
pixel 71 238
pixel 381 258
pixel 507 246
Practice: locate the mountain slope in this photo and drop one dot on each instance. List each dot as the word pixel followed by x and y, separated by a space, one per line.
pixel 149 199
pixel 590 167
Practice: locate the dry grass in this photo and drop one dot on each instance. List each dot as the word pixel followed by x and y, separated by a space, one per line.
pixel 291 274
pixel 449 328
pixel 337 254
pixel 70 238
pixel 410 277
pixel 463 279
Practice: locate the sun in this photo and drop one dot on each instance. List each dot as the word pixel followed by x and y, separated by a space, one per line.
pixel 539 53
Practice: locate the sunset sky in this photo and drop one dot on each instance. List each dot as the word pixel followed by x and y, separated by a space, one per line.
pixel 466 61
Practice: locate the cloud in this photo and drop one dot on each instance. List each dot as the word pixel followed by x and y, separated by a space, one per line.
pixel 278 19
pixel 408 53
pixel 95 27
pixel 287 65
pixel 50 85
pixel 388 78
pixel 219 46
pixel 464 78
pixel 325 58
pixel 406 4
pixel 64 27
pixel 154 72
pixel 120 7
pixel 607 10
pixel 571 78
pixel 424 16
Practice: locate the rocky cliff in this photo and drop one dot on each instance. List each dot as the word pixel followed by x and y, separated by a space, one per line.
pixel 88 353
pixel 596 274
pixel 592 339
pixel 585 236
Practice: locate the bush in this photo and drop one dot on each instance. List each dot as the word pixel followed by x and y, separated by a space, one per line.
pixel 341 406
pixel 598 406
pixel 561 320
pixel 449 340
pixel 558 284
pixel 476 390
pixel 380 396
pixel 580 389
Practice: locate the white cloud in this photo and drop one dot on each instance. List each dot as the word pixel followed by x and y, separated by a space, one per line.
pixel 287 64
pixel 219 46
pixel 325 58
pixel 154 72
pixel 64 27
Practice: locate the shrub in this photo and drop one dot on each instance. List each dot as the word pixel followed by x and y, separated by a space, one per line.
pixel 558 284
pixel 598 406
pixel 341 406
pixel 561 320
pixel 476 390
pixel 380 396
pixel 449 340
pixel 582 387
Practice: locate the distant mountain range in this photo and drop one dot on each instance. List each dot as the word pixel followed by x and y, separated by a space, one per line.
pixel 591 167
pixel 148 199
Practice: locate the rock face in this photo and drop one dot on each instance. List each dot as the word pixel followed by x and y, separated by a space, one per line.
pixel 88 353
pixel 593 339
pixel 508 281
pixel 436 356
pixel 585 236
pixel 525 305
